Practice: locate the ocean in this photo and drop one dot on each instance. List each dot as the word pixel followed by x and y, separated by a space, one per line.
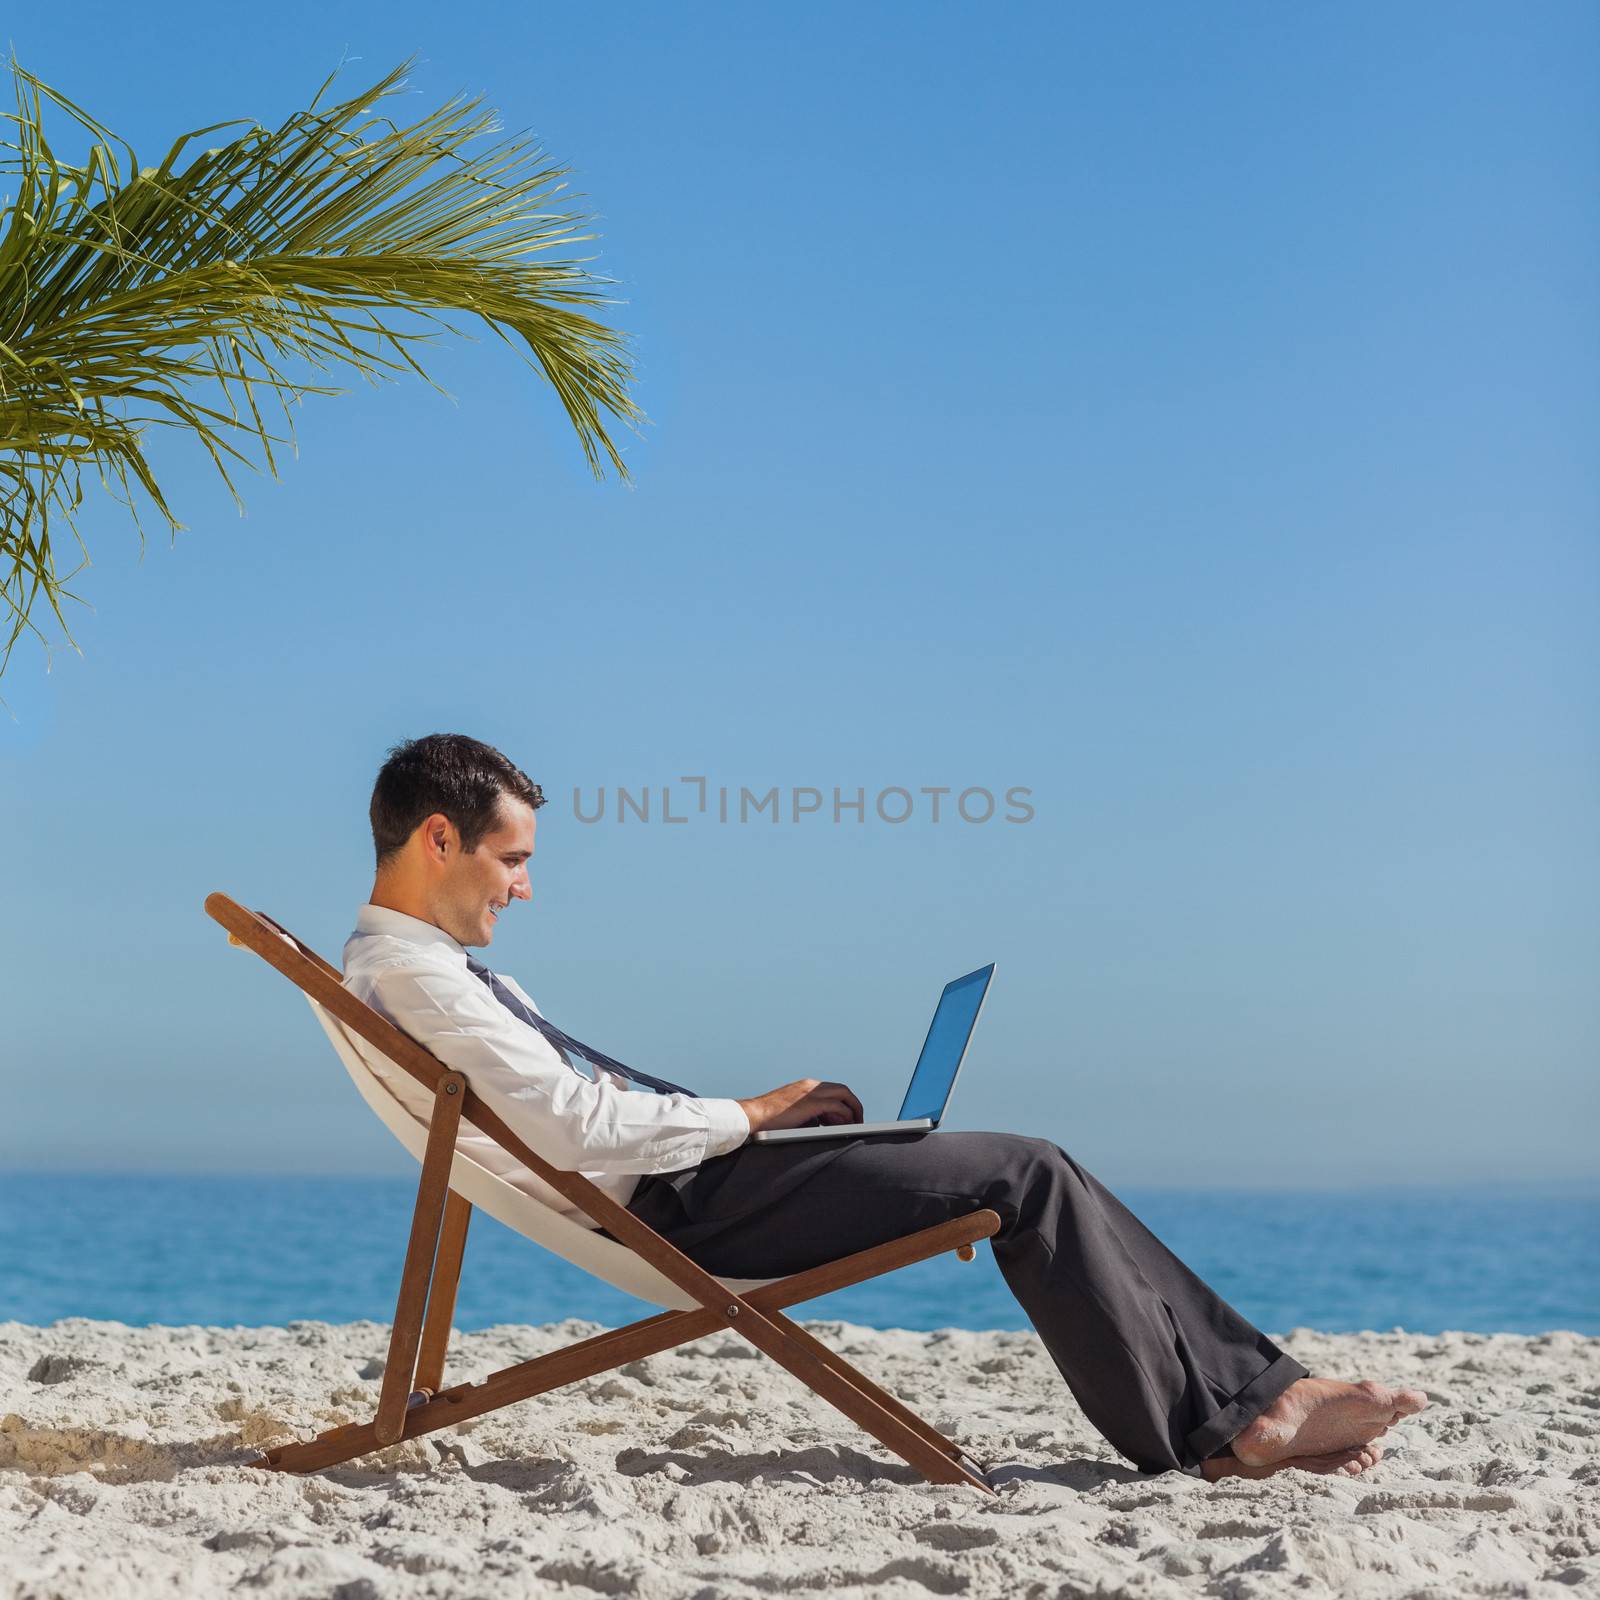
pixel 254 1250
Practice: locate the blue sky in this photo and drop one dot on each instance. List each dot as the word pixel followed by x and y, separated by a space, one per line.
pixel 1185 413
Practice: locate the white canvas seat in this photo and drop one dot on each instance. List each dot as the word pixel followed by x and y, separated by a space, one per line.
pixel 604 1258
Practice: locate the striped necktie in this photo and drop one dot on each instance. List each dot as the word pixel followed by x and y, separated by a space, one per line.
pixel 564 1043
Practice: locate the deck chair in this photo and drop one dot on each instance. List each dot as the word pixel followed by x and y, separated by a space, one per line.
pixel 412 1399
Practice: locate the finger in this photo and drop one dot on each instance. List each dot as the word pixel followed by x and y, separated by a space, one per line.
pixel 846 1097
pixel 840 1106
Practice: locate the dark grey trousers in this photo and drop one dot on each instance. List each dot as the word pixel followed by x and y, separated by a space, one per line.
pixel 1163 1367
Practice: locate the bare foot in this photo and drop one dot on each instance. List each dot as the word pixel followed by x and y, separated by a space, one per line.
pixel 1318 1415
pixel 1349 1463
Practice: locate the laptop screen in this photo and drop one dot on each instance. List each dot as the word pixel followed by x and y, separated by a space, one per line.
pixel 945 1045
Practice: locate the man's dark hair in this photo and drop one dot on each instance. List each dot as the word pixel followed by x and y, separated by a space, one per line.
pixel 449 773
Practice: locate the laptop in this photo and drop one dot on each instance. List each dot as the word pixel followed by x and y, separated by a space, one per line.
pixel 932 1079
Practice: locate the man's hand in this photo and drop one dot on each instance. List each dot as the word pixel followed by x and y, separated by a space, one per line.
pixel 802 1103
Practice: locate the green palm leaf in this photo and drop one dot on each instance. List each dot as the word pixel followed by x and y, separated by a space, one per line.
pixel 187 295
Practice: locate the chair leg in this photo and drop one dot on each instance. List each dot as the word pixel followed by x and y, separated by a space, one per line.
pixel 913 1440
pixel 442 1294
pixel 823 1378
pixel 859 1380
pixel 555 1370
pixel 432 1188
pixel 829 1375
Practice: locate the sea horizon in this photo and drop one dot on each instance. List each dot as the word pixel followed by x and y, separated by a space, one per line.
pixel 271 1249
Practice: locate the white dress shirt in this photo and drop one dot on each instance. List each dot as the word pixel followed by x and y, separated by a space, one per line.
pixel 416 975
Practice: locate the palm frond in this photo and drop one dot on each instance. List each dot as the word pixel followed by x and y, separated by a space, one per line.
pixel 189 295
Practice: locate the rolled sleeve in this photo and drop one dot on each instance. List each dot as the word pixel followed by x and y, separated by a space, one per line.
pixel 729 1128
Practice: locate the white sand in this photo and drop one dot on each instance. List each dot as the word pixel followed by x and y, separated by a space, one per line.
pixel 707 1472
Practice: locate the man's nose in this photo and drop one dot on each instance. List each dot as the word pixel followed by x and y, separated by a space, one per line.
pixel 521 889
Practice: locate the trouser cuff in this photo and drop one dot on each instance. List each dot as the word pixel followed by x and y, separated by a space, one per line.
pixel 1242 1410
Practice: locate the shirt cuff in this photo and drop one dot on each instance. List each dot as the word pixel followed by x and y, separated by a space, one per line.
pixel 727 1127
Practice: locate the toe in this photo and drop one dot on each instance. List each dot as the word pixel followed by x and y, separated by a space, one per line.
pixel 1399 1403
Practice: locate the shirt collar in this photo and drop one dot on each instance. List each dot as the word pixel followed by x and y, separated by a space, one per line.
pixel 380 919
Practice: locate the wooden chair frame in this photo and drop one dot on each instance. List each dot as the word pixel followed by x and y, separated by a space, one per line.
pixel 412 1400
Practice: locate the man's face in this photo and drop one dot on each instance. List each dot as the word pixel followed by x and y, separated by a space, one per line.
pixel 475 887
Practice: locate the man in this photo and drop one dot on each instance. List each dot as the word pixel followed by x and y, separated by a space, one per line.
pixel 1169 1373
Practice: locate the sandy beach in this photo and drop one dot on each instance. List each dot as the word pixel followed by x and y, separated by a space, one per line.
pixel 707 1472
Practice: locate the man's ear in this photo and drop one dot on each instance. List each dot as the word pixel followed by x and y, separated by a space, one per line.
pixel 438 835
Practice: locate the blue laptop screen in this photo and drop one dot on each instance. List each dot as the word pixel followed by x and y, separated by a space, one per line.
pixel 945 1045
